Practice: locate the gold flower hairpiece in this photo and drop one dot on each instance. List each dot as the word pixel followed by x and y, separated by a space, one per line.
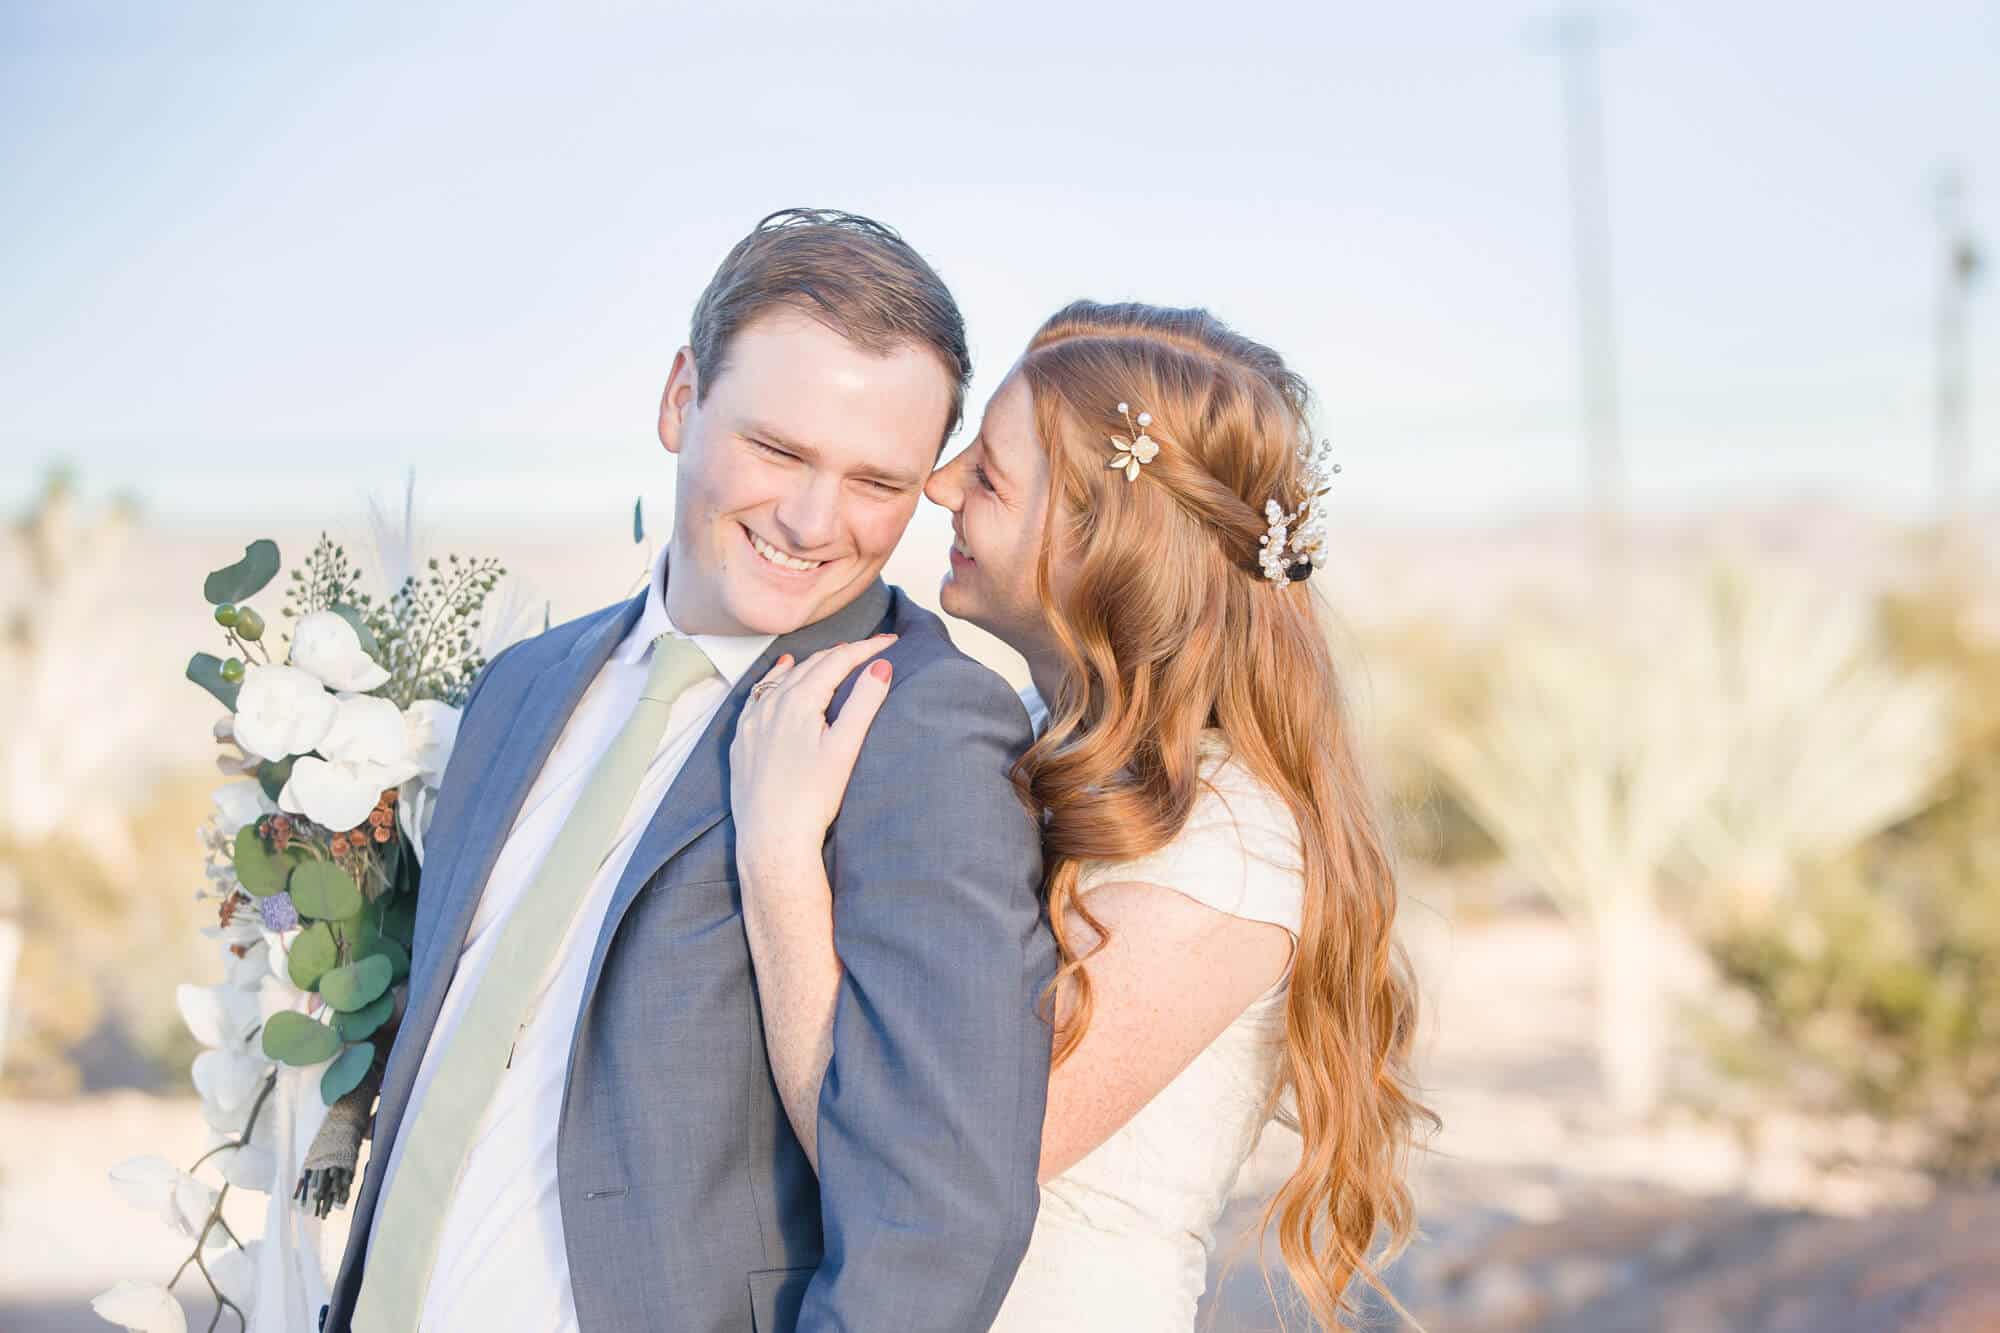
pixel 1132 454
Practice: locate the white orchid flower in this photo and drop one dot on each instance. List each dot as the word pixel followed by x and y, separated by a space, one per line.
pixel 279 975
pixel 277 991
pixel 226 1018
pixel 431 728
pixel 246 972
pixel 281 711
pixel 413 812
pixel 364 752
pixel 219 1016
pixel 327 646
pixel 251 1163
pixel 433 732
pixel 235 1272
pixel 243 928
pixel 234 763
pixel 155 1185
pixel 251 1166
pixel 145 1306
pixel 336 795
pixel 367 730
pixel 239 803
pixel 228 1081
pixel 230 759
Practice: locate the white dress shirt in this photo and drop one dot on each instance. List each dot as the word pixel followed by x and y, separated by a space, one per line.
pixel 500 1260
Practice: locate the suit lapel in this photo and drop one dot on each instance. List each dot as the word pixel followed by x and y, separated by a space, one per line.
pixel 534 718
pixel 699 796
pixel 539 714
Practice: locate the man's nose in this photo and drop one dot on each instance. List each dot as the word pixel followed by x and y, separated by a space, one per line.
pixel 810 515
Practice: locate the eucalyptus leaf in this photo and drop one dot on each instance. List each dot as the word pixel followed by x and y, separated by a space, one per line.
pixel 639 520
pixel 399 919
pixel 272 775
pixel 345 1074
pixel 260 873
pixel 312 955
pixel 365 1020
pixel 398 956
pixel 364 931
pixel 246 578
pixel 325 892
pixel 356 985
pixel 205 670
pixel 293 1038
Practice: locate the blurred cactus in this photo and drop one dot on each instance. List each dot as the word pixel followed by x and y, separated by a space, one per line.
pixel 1685 724
pixel 69 707
pixel 1587 759
pixel 1879 988
pixel 1832 739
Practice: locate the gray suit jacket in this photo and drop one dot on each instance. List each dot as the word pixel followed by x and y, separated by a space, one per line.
pixel 687 1203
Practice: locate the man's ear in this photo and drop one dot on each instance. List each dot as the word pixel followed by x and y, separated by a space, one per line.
pixel 683 388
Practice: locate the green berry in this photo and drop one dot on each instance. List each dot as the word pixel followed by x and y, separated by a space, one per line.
pixel 225 614
pixel 232 670
pixel 249 625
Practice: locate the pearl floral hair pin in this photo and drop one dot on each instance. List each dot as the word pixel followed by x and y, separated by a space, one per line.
pixel 1295 543
pixel 1132 454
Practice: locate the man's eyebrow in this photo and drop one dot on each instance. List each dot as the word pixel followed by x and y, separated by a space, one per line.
pixel 758 430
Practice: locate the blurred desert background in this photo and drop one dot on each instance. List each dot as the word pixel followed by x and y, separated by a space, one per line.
pixel 1666 562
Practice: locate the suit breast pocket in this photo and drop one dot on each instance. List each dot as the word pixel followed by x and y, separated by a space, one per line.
pixel 709 857
pixel 775 1297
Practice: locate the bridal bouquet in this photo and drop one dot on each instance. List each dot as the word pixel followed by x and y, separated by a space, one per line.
pixel 335 738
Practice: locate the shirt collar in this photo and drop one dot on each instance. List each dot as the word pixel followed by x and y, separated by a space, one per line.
pixel 732 654
pixel 1038 710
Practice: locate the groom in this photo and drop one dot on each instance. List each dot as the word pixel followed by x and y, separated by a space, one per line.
pixel 577 1127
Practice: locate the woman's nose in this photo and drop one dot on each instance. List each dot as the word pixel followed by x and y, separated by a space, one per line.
pixel 943 487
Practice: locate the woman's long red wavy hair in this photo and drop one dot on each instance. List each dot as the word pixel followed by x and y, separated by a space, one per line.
pixel 1167 630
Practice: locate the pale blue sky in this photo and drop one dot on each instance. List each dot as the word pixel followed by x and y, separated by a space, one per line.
pixel 257 258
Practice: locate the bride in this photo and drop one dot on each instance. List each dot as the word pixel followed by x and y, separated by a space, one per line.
pixel 1137 518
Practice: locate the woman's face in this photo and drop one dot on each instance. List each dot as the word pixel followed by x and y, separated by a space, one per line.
pixel 997 490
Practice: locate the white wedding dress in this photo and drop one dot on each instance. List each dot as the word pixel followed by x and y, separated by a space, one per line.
pixel 1123 1238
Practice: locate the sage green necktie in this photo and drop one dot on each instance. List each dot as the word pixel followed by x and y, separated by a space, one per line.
pixel 437 1140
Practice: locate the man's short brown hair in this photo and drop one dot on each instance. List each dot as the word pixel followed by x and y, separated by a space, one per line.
pixel 852 274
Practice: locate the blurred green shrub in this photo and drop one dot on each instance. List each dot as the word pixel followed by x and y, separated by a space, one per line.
pixel 1878 988
pixel 1397 679
pixel 104 950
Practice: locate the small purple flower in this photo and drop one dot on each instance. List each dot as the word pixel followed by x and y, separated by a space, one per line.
pixel 277 911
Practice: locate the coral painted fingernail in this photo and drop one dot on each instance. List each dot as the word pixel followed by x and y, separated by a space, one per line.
pixel 881 671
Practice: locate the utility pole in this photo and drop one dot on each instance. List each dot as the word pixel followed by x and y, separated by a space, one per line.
pixel 1952 460
pixel 1579 32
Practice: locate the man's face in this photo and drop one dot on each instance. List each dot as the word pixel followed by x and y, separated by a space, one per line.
pixel 798 471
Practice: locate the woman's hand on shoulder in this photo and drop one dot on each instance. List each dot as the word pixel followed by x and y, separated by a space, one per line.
pixel 788 766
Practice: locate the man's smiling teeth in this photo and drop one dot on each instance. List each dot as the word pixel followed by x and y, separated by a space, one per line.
pixel 779 558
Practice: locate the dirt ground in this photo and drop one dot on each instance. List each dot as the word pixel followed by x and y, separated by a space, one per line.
pixel 1538 1212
